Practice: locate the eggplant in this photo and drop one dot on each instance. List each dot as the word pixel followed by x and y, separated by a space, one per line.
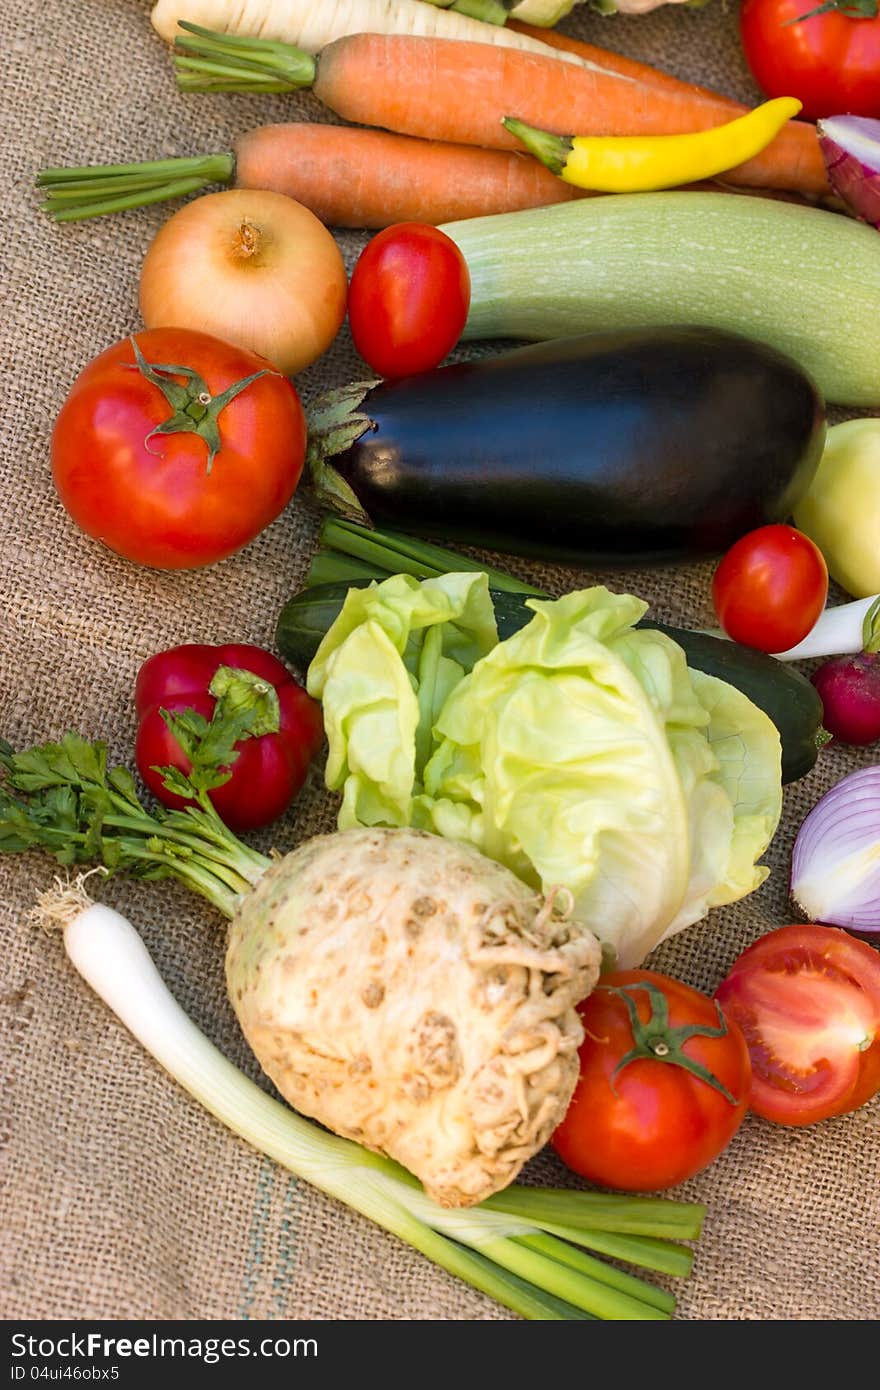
pixel 622 447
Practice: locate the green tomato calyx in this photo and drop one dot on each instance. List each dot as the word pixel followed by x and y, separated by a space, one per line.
pixel 655 1040
pixel 851 9
pixel 194 409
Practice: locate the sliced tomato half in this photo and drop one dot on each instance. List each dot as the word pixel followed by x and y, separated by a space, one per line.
pixel 807 998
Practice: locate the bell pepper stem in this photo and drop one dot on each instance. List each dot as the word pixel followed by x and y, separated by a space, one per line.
pixel 552 150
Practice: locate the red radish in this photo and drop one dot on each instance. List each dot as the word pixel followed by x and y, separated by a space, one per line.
pixel 849 687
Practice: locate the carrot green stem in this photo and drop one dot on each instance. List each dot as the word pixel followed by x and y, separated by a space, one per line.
pixel 92 190
pixel 207 61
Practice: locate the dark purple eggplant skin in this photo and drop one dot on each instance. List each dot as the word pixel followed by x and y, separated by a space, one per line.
pixel 619 447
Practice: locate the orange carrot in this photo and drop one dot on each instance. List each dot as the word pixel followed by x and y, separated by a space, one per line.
pixel 370 178
pixel 459 91
pixel 346 175
pixel 620 63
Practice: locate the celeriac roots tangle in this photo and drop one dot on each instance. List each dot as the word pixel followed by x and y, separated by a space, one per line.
pixel 416 997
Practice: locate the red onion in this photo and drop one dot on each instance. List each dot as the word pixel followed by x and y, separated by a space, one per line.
pixel 835 865
pixel 851 147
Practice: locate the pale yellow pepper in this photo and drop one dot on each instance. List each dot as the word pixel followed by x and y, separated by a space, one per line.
pixel 840 510
pixel 645 163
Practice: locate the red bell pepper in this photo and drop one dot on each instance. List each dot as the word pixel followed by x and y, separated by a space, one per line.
pixel 193 699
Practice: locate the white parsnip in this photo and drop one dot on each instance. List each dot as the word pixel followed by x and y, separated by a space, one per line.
pixel 312 25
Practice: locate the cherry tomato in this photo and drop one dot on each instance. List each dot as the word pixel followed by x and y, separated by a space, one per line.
pixel 770 588
pixel 646 1124
pixel 408 299
pixel 270 768
pixel 807 998
pixel 159 498
pixel 830 61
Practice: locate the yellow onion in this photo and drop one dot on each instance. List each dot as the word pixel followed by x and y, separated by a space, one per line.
pixel 253 267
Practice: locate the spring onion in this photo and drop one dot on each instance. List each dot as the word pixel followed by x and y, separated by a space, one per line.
pixel 840 630
pixel 349 551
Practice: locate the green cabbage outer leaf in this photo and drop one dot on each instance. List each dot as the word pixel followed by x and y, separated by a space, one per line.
pixel 383 672
pixel 581 752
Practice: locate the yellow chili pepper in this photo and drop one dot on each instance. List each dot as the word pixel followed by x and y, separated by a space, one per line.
pixel 643 163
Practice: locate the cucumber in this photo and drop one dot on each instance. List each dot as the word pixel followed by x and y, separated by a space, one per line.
pixel 782 693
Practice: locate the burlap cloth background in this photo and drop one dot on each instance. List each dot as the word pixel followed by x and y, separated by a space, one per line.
pixel 120 1197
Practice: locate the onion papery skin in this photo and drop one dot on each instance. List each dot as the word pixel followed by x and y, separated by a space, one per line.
pixel 252 267
pixel 835 867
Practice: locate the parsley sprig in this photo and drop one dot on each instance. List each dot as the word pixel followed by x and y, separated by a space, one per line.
pixel 63 798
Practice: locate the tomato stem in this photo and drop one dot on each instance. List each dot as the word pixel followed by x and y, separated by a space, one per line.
pixel 194 409
pixel 852 9
pixel 656 1039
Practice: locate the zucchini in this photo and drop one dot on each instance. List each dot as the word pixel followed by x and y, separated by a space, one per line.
pixel 784 695
pixel 800 279
pixel 604 448
pixel 781 692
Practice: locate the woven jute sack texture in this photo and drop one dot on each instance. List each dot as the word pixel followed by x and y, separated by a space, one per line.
pixel 120 1197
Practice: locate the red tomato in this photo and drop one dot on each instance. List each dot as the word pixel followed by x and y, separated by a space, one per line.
pixel 646 1124
pixel 770 588
pixel 270 768
pixel 408 299
pixel 152 496
pixel 807 999
pixel 830 61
